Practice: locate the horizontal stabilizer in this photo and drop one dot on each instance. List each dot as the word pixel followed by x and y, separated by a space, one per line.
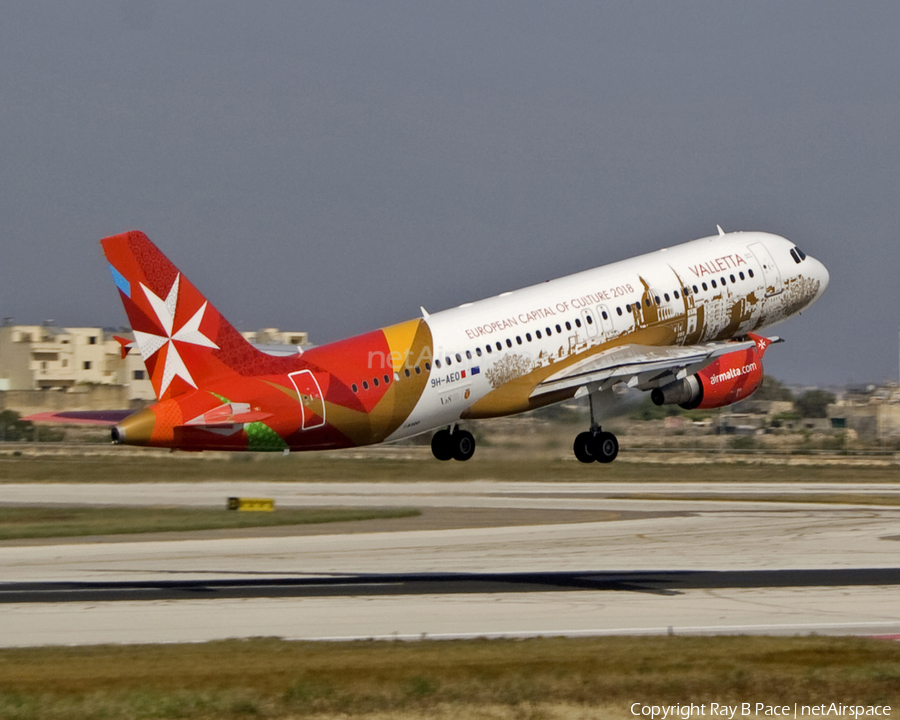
pixel 227 415
pixel 81 417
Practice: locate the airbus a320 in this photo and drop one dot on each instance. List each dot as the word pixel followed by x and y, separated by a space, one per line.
pixel 682 323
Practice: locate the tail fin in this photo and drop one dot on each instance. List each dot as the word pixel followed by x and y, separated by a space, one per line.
pixel 184 341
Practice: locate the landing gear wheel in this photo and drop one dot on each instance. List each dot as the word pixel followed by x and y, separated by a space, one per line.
pixel 463 444
pixel 605 447
pixel 442 445
pixel 583 446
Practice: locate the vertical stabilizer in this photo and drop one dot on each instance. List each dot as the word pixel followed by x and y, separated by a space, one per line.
pixel 184 341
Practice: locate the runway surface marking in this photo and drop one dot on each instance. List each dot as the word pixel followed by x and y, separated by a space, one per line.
pixel 698 566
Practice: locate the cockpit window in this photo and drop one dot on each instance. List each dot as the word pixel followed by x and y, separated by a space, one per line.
pixel 798 255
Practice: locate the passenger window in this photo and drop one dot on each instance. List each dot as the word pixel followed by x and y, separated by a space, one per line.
pixel 548 332
pixel 703 285
pixel 365 385
pixel 696 290
pixel 666 296
pixel 676 295
pixel 418 370
pixel 647 302
pixel 375 382
pixel 478 352
pixel 733 281
pixel 387 380
pixel 437 363
pixel 558 329
pixel 537 334
pixel 713 283
pixel 750 273
pixel 488 348
pixel 528 337
pixel 628 308
pixel 468 355
pixel 499 346
pixel 619 310
pixel 354 388
pixel 590 320
pixel 518 339
pixel 508 342
pixel 458 357
pixel 741 276
pixel 427 365
pixel 656 299
pixel 606 317
pixel 568 325
pixel 406 372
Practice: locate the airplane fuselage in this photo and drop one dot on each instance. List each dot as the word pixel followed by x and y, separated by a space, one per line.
pixel 482 359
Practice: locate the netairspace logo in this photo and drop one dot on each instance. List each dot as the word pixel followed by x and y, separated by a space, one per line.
pixel 758 710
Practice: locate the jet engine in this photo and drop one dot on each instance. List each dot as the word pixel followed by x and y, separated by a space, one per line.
pixel 729 378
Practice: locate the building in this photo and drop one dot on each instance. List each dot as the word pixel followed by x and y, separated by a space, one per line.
pixel 50 367
pixel 70 360
pixel 280 342
pixel 873 413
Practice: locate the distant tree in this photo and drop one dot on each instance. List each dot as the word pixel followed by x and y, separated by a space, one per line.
pixel 648 410
pixel 13 428
pixel 813 403
pixel 772 389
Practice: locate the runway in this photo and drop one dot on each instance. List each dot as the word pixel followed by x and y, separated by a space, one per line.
pixel 557 558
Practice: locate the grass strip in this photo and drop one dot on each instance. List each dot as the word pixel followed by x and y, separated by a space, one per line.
pixel 546 678
pixel 18 523
pixel 320 467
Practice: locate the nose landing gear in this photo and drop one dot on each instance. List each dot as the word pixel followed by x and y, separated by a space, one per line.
pixel 456 444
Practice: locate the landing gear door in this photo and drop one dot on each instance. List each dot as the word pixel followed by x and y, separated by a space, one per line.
pixel 312 405
pixel 771 273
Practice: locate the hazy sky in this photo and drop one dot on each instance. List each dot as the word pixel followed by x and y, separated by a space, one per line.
pixel 331 166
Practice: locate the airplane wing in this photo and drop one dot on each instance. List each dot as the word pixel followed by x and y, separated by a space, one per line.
pixel 639 366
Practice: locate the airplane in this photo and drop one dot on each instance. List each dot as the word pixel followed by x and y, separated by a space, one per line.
pixel 681 323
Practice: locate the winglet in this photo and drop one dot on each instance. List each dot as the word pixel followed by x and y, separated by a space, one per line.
pixel 762 343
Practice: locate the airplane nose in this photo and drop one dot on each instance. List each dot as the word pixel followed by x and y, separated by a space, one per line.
pixel 821 273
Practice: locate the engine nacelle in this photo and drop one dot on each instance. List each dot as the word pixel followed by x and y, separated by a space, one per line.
pixel 729 378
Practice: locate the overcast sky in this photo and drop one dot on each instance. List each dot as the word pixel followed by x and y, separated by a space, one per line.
pixel 331 166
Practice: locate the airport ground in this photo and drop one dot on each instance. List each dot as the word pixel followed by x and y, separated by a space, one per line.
pixel 707 548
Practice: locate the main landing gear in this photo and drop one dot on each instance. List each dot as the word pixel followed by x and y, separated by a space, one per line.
pixel 595 444
pixel 453 444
